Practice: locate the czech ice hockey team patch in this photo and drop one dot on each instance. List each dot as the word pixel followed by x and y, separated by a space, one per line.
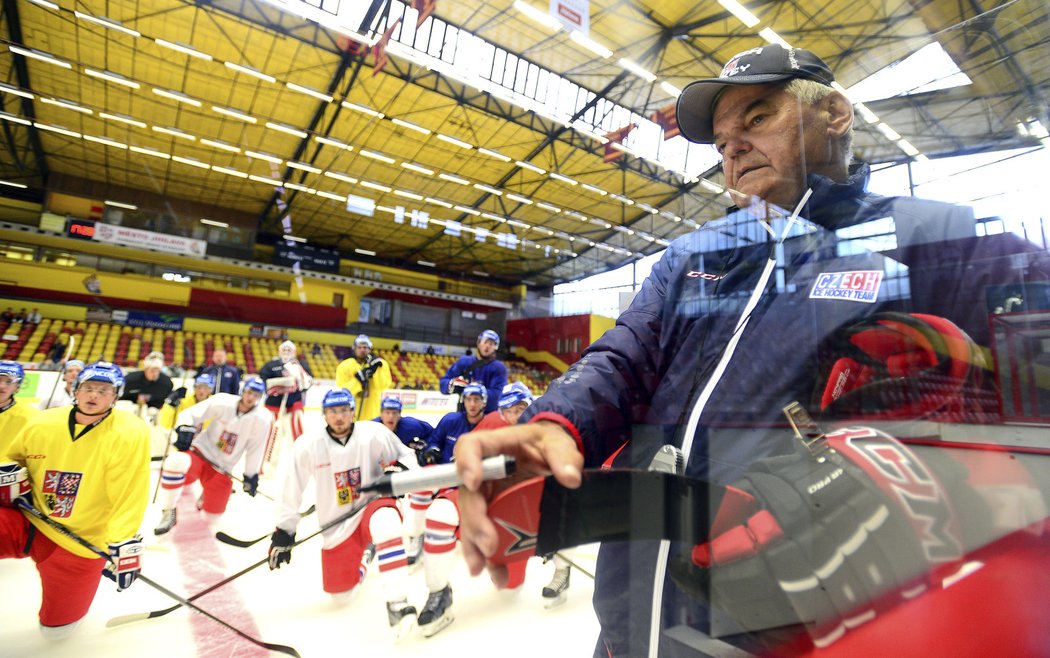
pixel 848 286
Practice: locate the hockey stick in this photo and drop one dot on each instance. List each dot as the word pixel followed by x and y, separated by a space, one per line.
pixel 124 619
pixel 279 648
pixel 245 543
pixel 275 431
pixel 160 474
pixel 230 475
pixel 69 353
pixel 574 565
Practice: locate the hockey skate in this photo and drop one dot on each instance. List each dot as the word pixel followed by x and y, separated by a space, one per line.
pixel 414 549
pixel 554 592
pixel 402 618
pixel 437 613
pixel 167 522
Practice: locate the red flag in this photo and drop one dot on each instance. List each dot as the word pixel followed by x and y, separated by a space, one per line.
pixel 616 137
pixel 425 9
pixel 379 50
pixel 667 118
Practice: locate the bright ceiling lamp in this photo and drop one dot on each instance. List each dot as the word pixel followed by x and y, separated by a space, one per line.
pixel 740 11
pixel 538 15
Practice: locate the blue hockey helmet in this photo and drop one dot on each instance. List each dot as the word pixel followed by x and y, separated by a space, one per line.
pixel 14 370
pixel 101 371
pixel 338 397
pixel 476 389
pixel 514 393
pixel 254 384
pixel 390 403
pixel 204 380
pixel 489 334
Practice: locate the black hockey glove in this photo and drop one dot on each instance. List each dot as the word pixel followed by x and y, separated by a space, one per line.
pixel 812 540
pixel 432 455
pixel 184 437
pixel 363 375
pixel 175 397
pixel 251 484
pixel 280 548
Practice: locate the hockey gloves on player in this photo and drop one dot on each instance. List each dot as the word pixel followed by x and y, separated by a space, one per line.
pixel 456 386
pixel 818 540
pixel 251 484
pixel 125 562
pixel 175 398
pixel 14 484
pixel 184 437
pixel 432 455
pixel 419 446
pixel 280 548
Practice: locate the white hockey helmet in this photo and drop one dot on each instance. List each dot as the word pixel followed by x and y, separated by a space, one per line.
pixel 287 351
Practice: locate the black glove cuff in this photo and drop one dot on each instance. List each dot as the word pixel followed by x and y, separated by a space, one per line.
pixel 282 538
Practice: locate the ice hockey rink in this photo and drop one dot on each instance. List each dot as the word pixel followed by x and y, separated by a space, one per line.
pixel 288 606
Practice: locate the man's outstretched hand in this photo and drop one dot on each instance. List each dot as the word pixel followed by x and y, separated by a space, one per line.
pixel 540 448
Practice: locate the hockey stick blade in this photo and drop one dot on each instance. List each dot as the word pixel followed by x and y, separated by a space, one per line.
pixel 356 508
pixel 279 648
pixel 245 543
pixel 239 543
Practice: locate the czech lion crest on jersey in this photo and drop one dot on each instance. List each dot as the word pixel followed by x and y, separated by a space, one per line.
pixel 60 492
pixel 346 485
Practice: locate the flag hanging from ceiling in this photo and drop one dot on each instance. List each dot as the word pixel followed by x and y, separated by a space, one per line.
pixel 616 137
pixel 425 8
pixel 667 118
pixel 379 50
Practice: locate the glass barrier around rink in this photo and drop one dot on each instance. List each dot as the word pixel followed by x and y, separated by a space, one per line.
pixel 845 421
pixel 860 441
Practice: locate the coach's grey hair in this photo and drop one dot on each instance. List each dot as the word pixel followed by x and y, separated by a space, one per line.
pixel 809 92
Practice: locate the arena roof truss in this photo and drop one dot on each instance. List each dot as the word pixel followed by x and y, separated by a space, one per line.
pixel 484 140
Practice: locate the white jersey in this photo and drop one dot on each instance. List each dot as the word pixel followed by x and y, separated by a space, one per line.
pixel 339 471
pixel 59 399
pixel 229 434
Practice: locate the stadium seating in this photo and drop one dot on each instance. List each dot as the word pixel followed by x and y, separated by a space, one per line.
pixel 127 346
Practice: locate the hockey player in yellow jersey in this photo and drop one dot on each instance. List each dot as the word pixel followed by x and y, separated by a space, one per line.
pixel 366 376
pixel 178 401
pixel 87 468
pixel 13 414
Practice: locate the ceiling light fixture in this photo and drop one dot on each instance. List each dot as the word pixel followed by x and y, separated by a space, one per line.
pixel 289 130
pixel 247 70
pixel 456 142
pixel 183 48
pixel 36 54
pixel 108 23
pixel 309 92
pixel 362 109
pixel 234 114
pixel 212 222
pixel 410 126
pixel 176 96
pixel 115 78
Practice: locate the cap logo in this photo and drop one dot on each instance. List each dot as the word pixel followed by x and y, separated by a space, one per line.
pixel 734 67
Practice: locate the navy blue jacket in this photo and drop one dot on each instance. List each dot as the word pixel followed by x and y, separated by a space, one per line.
pixel 448 430
pixel 493 376
pixel 409 429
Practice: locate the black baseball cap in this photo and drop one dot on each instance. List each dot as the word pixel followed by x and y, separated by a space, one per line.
pixel 758 66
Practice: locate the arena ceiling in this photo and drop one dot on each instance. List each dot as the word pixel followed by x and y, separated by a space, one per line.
pixel 221 101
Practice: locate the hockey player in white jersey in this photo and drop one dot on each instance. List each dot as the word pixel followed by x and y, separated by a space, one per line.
pixel 237 426
pixel 341 458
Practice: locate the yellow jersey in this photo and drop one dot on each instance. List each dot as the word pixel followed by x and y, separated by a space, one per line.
pixel 345 377
pixel 93 479
pixel 12 420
